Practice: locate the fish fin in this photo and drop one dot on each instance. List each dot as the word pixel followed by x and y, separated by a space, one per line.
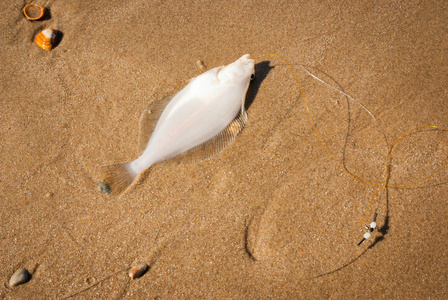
pixel 148 121
pixel 217 143
pixel 117 178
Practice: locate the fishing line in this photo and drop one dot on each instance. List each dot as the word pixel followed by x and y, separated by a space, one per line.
pixel 389 155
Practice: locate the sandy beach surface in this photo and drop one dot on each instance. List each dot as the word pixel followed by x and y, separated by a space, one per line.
pixel 272 215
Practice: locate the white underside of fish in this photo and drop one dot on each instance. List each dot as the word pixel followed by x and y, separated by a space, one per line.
pixel 209 112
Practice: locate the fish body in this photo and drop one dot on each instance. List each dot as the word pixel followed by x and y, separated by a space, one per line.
pixel 199 113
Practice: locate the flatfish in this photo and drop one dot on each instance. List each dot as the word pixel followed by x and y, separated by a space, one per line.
pixel 197 122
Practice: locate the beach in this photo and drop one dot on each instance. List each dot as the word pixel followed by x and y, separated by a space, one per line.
pixel 280 211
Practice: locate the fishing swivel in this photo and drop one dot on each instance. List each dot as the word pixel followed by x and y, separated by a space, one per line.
pixel 369 228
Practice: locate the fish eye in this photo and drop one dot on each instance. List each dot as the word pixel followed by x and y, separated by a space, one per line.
pixel 252 77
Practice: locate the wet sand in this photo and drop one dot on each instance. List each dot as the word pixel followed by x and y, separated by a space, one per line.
pixel 271 216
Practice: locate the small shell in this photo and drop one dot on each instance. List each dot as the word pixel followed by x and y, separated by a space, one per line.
pixel 33 12
pixel 138 270
pixel 200 64
pixel 19 277
pixel 45 39
pixel 104 188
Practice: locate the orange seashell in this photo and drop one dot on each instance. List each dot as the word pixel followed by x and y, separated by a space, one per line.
pixel 33 11
pixel 138 270
pixel 45 39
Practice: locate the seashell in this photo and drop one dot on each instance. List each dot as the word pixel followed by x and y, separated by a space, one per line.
pixel 19 277
pixel 200 64
pixel 104 188
pixel 138 270
pixel 33 12
pixel 45 39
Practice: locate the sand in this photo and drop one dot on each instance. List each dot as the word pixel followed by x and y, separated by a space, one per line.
pixel 271 216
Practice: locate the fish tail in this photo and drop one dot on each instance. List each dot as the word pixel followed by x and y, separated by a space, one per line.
pixel 116 178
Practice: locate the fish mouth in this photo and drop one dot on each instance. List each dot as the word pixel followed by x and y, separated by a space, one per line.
pixel 245 59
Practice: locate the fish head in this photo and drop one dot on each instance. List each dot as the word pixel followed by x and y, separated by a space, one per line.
pixel 243 69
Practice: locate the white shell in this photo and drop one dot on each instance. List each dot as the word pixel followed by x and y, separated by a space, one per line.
pixel 19 277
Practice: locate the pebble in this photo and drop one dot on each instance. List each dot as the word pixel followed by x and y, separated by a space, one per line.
pixel 19 277
pixel 104 188
pixel 138 270
pixel 201 64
